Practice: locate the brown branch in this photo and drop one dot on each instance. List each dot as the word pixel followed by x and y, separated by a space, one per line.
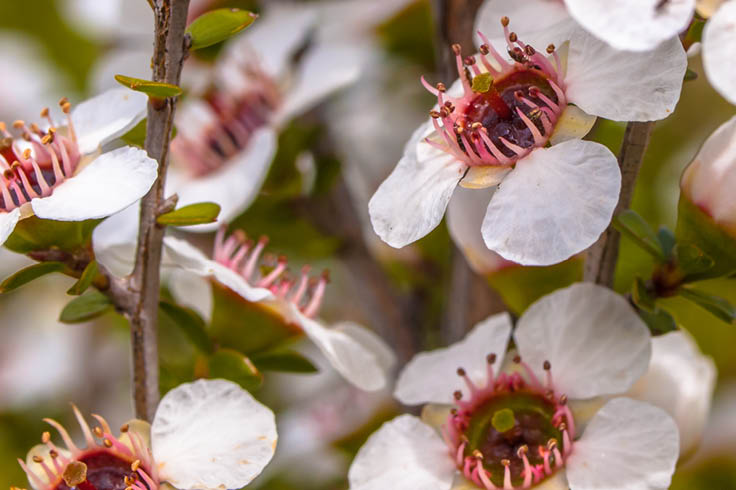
pixel 454 20
pixel 600 263
pixel 170 50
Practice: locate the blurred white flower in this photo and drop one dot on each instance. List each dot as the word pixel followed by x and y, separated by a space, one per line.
pixel 518 428
pixel 719 44
pixel 59 173
pixel 206 435
pixel 358 354
pixel 491 129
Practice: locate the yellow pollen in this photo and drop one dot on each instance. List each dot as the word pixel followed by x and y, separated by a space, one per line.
pixel 107 443
pixel 45 437
pixel 18 124
pixel 136 464
pixel 37 459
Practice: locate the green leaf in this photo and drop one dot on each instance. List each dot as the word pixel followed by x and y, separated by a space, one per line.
pixel 283 360
pixel 658 320
pixel 692 262
pixel 234 366
pixel 696 227
pixel 159 90
pixel 193 214
pixel 218 25
pixel 642 297
pixel 85 308
pixel 137 135
pixel 666 240
pixel 695 32
pixel 718 306
pixel 85 280
pixel 632 225
pixel 190 323
pixel 690 75
pixel 35 234
pixel 482 83
pixel 30 273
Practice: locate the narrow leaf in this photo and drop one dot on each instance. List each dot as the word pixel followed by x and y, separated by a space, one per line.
pixel 218 25
pixel 283 360
pixel 148 87
pixel 714 304
pixel 193 214
pixel 190 323
pixel 666 240
pixel 85 280
pixel 632 225
pixel 642 297
pixel 232 365
pixel 24 276
pixel 693 263
pixel 658 320
pixel 85 308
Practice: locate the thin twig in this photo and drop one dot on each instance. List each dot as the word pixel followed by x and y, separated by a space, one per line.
pixel 600 263
pixel 170 50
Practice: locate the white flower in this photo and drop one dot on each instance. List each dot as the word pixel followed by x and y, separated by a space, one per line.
pixel 58 172
pixel 356 353
pixel 520 427
pixel 551 202
pixel 719 44
pixel 630 25
pixel 206 435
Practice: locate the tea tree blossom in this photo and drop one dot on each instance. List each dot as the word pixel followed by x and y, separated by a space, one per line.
pixel 517 424
pixel 493 127
pixel 357 354
pixel 58 171
pixel 206 435
pixel 719 43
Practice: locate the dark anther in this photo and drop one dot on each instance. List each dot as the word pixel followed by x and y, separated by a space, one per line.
pixel 504 21
pixel 460 372
pixel 547 366
pixel 491 358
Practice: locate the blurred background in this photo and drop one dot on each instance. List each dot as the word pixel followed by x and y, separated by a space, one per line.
pixel 313 207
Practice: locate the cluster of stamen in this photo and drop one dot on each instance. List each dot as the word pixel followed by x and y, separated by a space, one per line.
pixel 508 108
pixel 235 117
pixel 513 432
pixel 243 256
pixel 34 172
pixel 106 463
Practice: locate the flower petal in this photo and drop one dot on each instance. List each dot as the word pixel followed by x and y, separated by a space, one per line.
pixel 404 454
pixel 361 365
pixel 7 223
pixel 574 123
pixel 210 435
pixel 115 239
pixel 111 183
pixel 185 256
pixel 369 340
pixel 483 177
pixel 430 377
pixel 629 445
pixel 719 44
pixel 107 116
pixel 621 85
pixel 632 25
pixel 595 342
pixel 235 186
pixel 538 23
pixel 680 381
pixel 412 200
pixel 554 204
pixel 464 219
pixel 193 291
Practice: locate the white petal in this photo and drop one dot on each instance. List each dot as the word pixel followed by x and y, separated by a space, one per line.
pixel 574 123
pixel 629 445
pixel 431 377
pixel 483 177
pixel 633 25
pixel 107 116
pixel 111 183
pixel 131 60
pixel 325 69
pixel 184 255
pixel 7 223
pixel 234 187
pixel 210 435
pixel 595 342
pixel 537 22
pixel 404 454
pixel 719 44
pixel 680 381
pixel 359 364
pixel 412 200
pixel 369 340
pixel 193 291
pixel 464 219
pixel 115 239
pixel 621 85
pixel 554 204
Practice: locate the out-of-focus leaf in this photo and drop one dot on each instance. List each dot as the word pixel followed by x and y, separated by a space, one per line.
pixel 190 323
pixel 159 90
pixel 696 227
pixel 193 214
pixel 218 25
pixel 137 135
pixel 30 273
pixel 642 297
pixel 666 240
pixel 85 280
pixel 34 234
pixel 693 263
pixel 658 320
pixel 86 307
pixel 283 360
pixel 234 366
pixel 718 306
pixel 690 75
pixel 632 225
